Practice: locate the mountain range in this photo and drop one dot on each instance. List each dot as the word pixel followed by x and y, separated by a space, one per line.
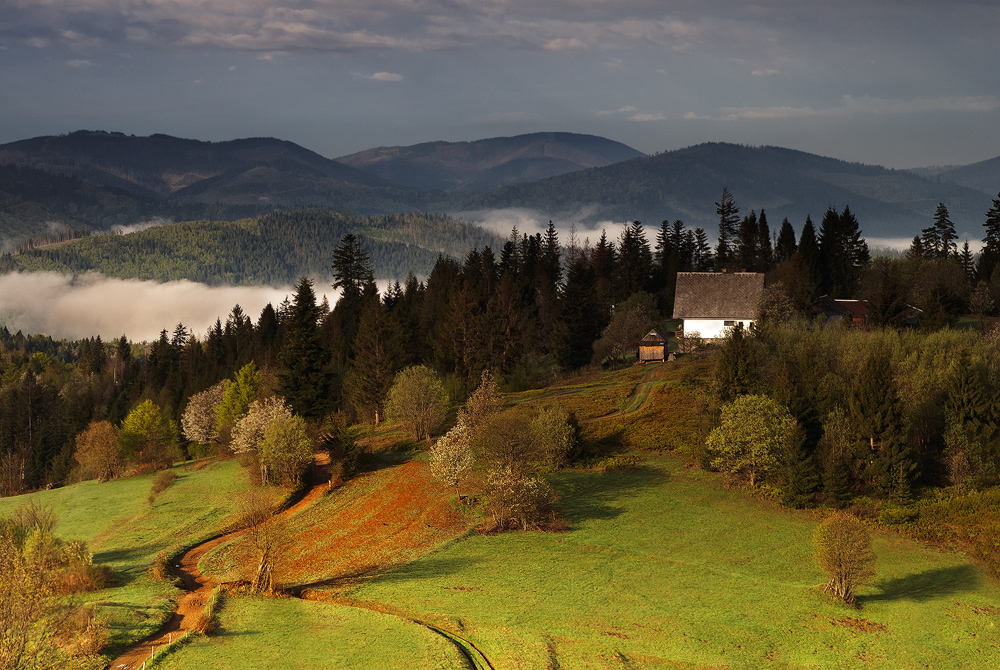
pixel 100 179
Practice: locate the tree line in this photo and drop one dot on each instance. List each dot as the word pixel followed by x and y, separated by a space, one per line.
pixel 534 308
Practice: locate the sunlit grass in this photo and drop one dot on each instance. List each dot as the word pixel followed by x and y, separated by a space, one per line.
pixel 290 634
pixel 125 532
pixel 663 567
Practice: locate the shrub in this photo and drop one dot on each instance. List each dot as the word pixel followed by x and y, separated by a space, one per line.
pixel 621 462
pixel 97 452
pixel 518 500
pixel 161 482
pixel 418 401
pixel 843 548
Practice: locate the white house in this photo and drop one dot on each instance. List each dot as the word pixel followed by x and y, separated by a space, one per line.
pixel 710 302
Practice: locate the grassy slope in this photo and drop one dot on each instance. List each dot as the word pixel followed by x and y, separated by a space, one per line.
pixel 293 634
pixel 123 531
pixel 664 566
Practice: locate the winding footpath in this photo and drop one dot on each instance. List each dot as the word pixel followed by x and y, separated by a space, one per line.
pixel 198 588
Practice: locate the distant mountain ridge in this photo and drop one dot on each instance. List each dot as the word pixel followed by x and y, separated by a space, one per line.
pixel 489 163
pixel 126 179
pixel 983 176
pixel 686 183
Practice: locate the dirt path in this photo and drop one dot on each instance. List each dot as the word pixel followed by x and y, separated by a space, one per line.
pixel 197 587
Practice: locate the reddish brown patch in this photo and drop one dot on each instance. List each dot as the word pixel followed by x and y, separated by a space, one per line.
pixel 390 517
pixel 862 625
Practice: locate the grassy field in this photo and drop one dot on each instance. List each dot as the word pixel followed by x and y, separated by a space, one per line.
pixel 293 634
pixel 124 531
pixel 663 567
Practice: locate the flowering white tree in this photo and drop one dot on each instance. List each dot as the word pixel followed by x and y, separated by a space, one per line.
pixel 248 434
pixel 199 419
pixel 451 457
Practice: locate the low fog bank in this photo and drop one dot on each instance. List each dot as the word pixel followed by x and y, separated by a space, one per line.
pixel 902 244
pixel 501 221
pixel 74 307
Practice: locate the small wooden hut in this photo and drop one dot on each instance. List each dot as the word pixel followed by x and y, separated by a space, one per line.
pixel 653 347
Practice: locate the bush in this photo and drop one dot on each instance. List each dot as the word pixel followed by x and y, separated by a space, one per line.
pixel 161 482
pixel 516 500
pixel 621 462
pixel 843 548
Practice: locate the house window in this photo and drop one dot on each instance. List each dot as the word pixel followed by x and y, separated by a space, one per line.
pixel 729 324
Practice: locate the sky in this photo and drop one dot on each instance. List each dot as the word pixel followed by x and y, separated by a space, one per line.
pixel 900 83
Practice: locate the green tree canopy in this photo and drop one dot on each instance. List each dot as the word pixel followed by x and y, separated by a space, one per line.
pixel 753 432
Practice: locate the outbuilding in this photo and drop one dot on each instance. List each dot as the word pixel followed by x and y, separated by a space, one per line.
pixel 653 347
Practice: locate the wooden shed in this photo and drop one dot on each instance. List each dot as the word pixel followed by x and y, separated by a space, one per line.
pixel 653 347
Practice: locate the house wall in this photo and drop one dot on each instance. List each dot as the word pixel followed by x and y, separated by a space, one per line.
pixel 712 329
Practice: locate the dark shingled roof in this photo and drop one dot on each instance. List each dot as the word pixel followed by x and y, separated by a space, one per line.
pixel 653 337
pixel 717 295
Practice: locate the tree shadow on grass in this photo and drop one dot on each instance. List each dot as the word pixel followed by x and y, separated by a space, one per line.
pixel 927 585
pixel 586 496
pixel 382 460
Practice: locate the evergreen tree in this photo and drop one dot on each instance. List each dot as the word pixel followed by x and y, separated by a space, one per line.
pixel 747 251
pixel 305 383
pixel 582 313
pixel 989 257
pixel 944 232
pixel 703 259
pixel 634 263
pixel 809 252
pixel 765 252
pixel 736 372
pixel 729 221
pixel 376 361
pixel 786 246
pixel 352 268
pixel 876 417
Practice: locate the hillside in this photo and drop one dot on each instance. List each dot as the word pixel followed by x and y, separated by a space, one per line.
pixel 983 176
pixel 489 163
pixel 685 184
pixel 34 201
pixel 275 249
pixel 578 178
pixel 253 171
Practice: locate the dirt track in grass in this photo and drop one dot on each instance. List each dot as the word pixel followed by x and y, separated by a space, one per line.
pixel 197 587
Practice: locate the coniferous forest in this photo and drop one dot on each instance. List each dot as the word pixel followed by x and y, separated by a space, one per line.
pixel 881 410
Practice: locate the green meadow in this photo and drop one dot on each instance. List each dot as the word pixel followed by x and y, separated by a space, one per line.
pixel 125 532
pixel 301 634
pixel 662 567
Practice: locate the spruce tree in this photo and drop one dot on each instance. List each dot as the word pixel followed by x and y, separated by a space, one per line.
pixel 989 257
pixel 877 421
pixel 809 252
pixel 729 221
pixel 786 246
pixel 376 360
pixel 305 382
pixel 945 232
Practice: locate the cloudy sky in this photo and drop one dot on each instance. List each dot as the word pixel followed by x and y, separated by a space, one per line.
pixel 902 83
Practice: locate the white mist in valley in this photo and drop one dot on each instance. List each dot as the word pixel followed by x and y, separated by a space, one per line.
pixel 86 305
pixel 502 221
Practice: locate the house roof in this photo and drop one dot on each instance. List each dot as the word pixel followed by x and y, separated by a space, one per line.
pixel 653 337
pixel 717 295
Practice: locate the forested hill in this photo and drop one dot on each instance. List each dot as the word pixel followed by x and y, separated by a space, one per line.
pixel 489 163
pixel 685 184
pixel 34 202
pixel 263 172
pixel 273 249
